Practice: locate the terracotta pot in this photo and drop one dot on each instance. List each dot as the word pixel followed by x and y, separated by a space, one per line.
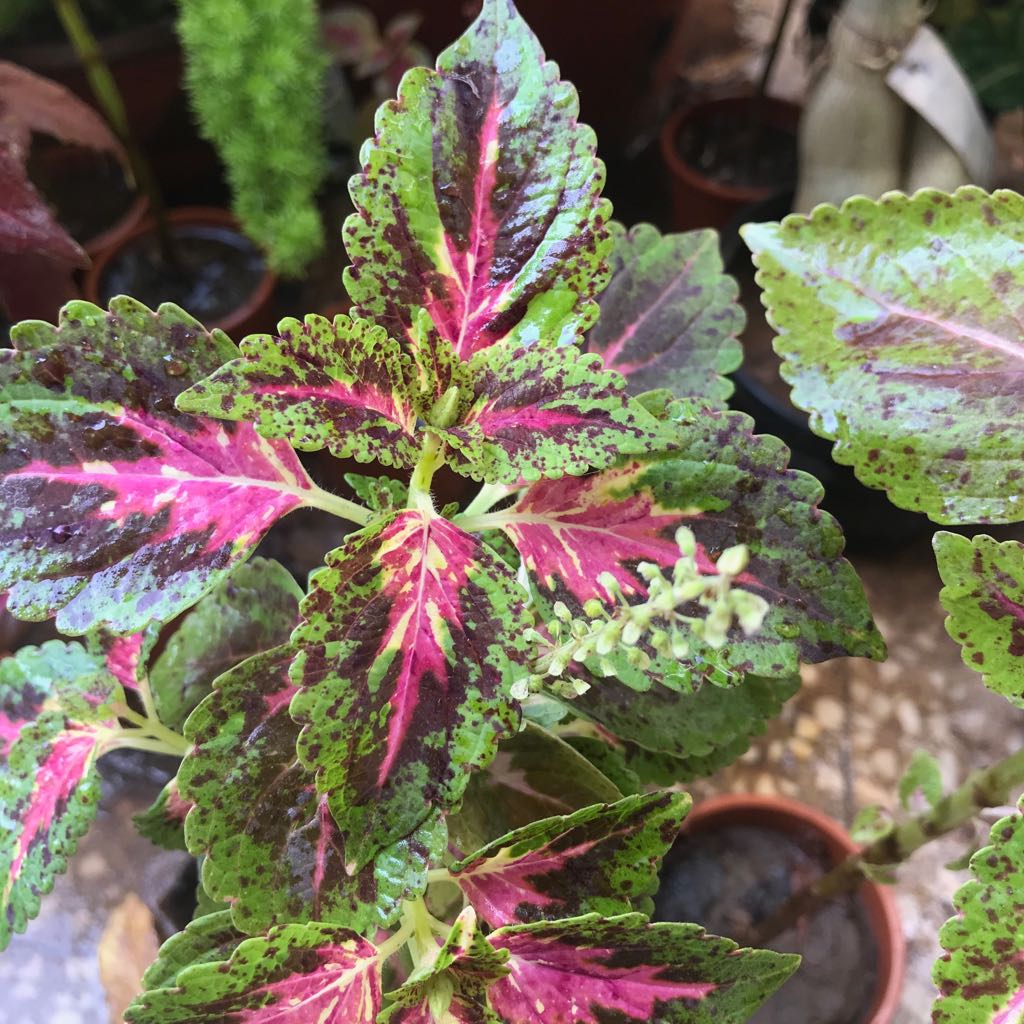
pixel 145 62
pixel 793 817
pixel 702 202
pixel 255 314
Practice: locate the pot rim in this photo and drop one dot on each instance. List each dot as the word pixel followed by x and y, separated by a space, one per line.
pixel 212 215
pixel 879 902
pixel 783 111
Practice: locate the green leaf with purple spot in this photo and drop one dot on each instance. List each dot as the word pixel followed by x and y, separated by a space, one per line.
pixel 592 970
pixel 163 822
pixel 379 493
pixel 479 198
pixel 729 487
pixel 900 328
pixel 451 986
pixel 55 721
pixel 254 609
pixel 299 973
pixel 209 939
pixel 603 859
pixel 117 510
pixel 534 775
pixel 667 737
pixel 979 977
pixel 272 847
pixel 405 668
pixel 984 596
pixel 544 411
pixel 670 316
pixel 345 386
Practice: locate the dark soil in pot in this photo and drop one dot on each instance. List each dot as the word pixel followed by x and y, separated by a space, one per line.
pixel 88 191
pixel 217 271
pixel 738 150
pixel 733 877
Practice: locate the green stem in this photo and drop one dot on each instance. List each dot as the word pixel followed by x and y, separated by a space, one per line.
pixel 421 939
pixel 392 945
pixel 341 507
pixel 988 787
pixel 107 94
pixel 479 523
pixel 488 496
pixel 435 875
pixel 149 729
pixel 419 483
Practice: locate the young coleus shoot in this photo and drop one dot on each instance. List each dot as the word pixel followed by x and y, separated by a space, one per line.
pixel 400 778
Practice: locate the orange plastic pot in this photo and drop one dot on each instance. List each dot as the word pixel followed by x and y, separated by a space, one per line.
pixel 699 201
pixel 254 314
pixel 794 818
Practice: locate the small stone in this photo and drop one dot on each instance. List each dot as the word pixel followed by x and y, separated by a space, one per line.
pixel 801 748
pixel 909 717
pixel 829 712
pixel 807 728
pixel 828 780
pixel 885 764
pixel 765 785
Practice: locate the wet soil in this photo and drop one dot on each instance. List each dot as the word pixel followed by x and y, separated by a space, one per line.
pixel 88 190
pixel 738 150
pixel 734 877
pixel 215 272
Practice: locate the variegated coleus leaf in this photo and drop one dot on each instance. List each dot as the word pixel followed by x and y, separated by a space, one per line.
pixel 670 316
pixel 117 510
pixel 478 199
pixel 273 849
pixel 603 859
pixel 299 973
pixel 984 596
pixel 980 976
pixel 593 970
pixel 667 737
pixel 405 664
pixel 534 775
pixel 55 722
pixel 451 986
pixel 379 493
pixel 729 487
pixel 209 939
pixel 899 323
pixel 543 411
pixel 163 822
pixel 254 609
pixel 345 386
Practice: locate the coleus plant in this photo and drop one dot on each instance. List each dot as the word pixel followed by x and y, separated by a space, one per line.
pixel 900 329
pixel 419 786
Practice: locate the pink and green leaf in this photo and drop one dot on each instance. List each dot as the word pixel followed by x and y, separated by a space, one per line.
pixel 899 324
pixel 667 737
pixel 118 510
pixel 729 487
pixel 544 411
pixel 451 987
pixel 49 787
pixel 602 859
pixel 534 775
pixel 980 978
pixel 163 822
pixel 254 609
pixel 299 973
pixel 670 316
pixel 590 970
pixel 479 198
pixel 984 596
pixel 209 939
pixel 345 386
pixel 405 672
pixel 272 848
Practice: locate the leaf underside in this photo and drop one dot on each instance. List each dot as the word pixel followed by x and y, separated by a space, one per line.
pixel 900 328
